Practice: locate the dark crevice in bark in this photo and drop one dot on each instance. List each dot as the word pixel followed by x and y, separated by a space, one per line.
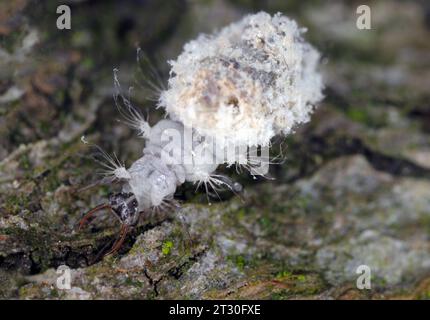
pixel 331 147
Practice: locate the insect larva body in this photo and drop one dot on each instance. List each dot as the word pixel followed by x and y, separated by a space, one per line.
pixel 228 92
pixel 155 176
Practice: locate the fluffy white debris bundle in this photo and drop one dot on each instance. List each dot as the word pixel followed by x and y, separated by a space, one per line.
pixel 250 81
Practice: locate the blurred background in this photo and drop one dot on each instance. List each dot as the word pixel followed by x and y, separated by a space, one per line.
pixel 354 188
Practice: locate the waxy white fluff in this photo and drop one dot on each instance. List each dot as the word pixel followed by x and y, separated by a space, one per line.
pixel 239 87
pixel 243 85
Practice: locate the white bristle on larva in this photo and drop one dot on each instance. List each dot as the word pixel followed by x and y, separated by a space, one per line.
pixel 250 81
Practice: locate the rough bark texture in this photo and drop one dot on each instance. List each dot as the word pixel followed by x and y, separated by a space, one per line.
pixel 354 188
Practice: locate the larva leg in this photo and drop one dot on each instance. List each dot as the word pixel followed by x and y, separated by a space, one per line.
pixel 217 182
pixel 185 227
pixel 234 186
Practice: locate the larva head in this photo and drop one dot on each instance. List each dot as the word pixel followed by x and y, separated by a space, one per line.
pixel 123 204
pixel 247 83
pixel 125 207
